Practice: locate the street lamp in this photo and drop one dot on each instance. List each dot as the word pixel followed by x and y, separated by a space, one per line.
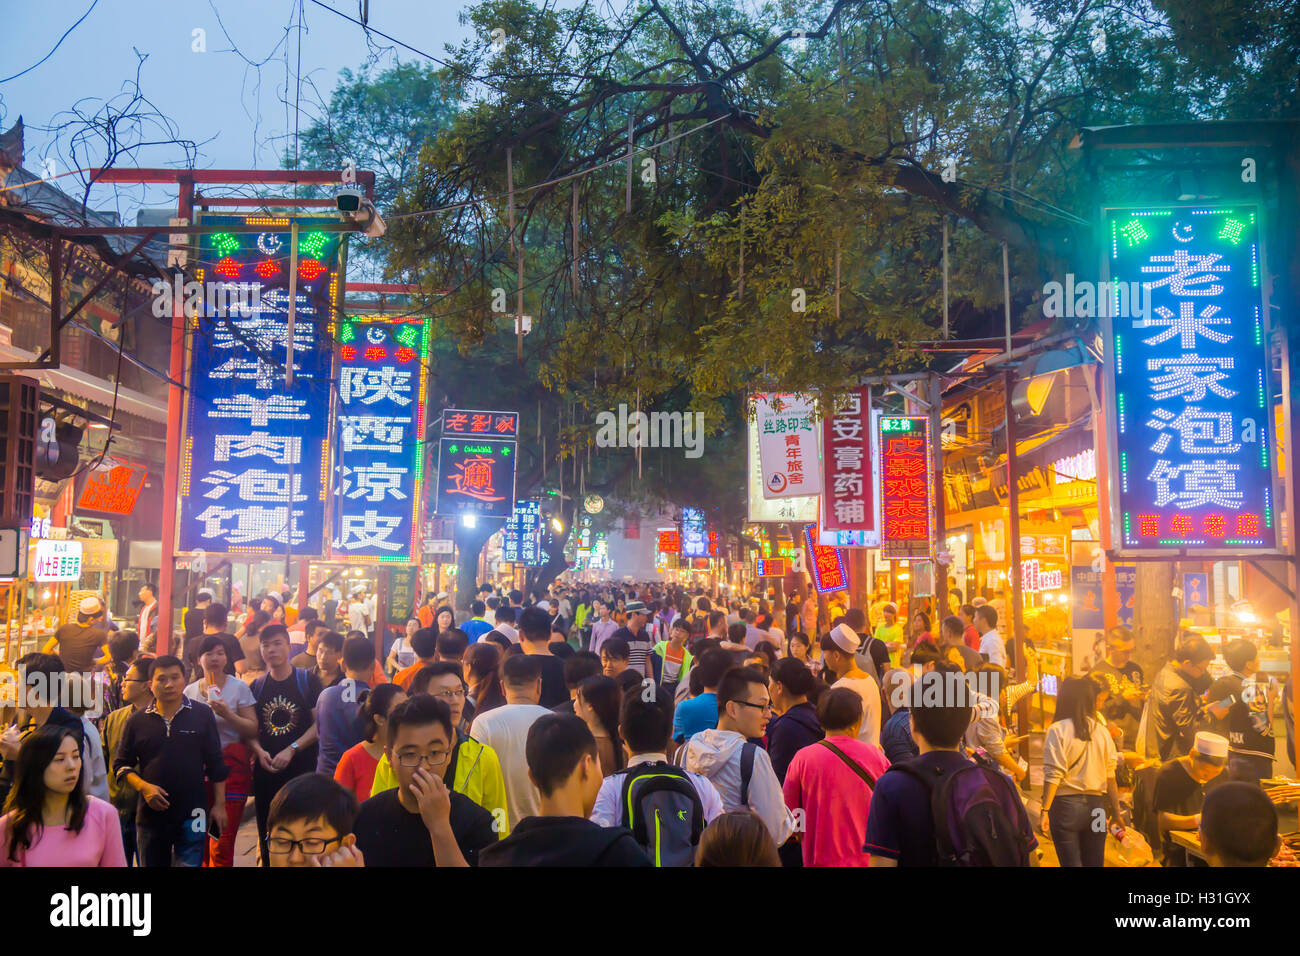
pixel 469 521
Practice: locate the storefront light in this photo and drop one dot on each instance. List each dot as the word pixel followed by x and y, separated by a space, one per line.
pixel 469 521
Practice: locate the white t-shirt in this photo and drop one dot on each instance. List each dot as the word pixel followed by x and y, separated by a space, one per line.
pixel 992 645
pixel 357 615
pixel 236 694
pixel 607 812
pixel 865 688
pixel 401 649
pixel 505 730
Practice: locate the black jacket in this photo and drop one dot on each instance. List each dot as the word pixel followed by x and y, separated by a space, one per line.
pixel 564 841
pixel 797 728
pixel 1175 713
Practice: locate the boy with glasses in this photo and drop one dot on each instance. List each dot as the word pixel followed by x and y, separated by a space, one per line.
pixel 310 824
pixel 422 822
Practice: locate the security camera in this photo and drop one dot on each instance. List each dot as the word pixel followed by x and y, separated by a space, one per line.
pixel 349 198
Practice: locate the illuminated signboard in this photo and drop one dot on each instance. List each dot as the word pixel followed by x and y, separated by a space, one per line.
pixel 759 507
pixel 245 430
pixel 522 536
pixel 460 421
pixel 1034 579
pixel 772 567
pixel 669 541
pixel 787 444
pixel 476 476
pixel 847 490
pixel 1191 472
pixel 713 543
pixel 112 488
pixel 57 561
pixel 826 564
pixel 905 488
pixel 695 534
pixel 379 429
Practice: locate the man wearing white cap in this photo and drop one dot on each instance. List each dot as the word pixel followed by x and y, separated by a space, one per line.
pixel 1180 790
pixel 839 655
pixel 81 643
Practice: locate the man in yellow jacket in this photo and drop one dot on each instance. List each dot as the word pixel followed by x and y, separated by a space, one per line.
pixel 474 769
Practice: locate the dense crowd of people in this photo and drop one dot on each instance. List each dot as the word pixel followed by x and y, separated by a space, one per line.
pixel 620 725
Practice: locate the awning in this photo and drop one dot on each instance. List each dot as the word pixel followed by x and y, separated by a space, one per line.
pixel 89 387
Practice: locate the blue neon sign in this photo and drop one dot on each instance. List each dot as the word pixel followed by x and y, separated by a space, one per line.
pixel 1191 469
pixel 522 536
pixel 244 429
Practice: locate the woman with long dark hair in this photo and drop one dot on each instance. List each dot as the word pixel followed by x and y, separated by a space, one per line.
pixel 356 768
pixel 48 820
pixel 598 702
pixel 1078 776
pixel 483 661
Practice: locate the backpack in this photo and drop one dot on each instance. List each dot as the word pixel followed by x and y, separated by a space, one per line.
pixel 661 807
pixel 299 673
pixel 978 817
pixel 747 751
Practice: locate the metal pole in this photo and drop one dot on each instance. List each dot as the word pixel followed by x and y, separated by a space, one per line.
pixel 172 463
pixel 940 525
pixel 945 277
pixel 1013 542
pixel 288 384
pixel 518 248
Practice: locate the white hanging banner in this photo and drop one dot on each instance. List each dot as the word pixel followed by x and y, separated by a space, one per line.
pixel 787 445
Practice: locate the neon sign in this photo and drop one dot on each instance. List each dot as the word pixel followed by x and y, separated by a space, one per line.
pixel 522 536
pixel 695 538
pixel 906 501
pixel 245 431
pixel 826 564
pixel 848 493
pixel 113 488
pixel 379 428
pixel 1192 472
pixel 669 542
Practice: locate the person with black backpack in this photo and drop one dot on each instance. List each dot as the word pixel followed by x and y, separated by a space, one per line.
pixel 942 808
pixel 664 806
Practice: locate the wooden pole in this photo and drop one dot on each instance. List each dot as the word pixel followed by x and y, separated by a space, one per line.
pixel 940 525
pixel 1015 607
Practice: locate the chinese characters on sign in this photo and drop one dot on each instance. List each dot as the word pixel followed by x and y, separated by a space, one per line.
pixel 380 437
pixel 522 537
pixel 906 504
pixel 246 432
pixel 476 475
pixel 1034 579
pixel 787 446
pixel 112 488
pixel 695 534
pixel 848 492
pixel 670 542
pixel 760 508
pixel 1192 470
pixel 826 564
pixel 772 567
pixel 57 561
pixel 457 421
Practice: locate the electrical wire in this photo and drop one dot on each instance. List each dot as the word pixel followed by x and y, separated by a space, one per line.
pixel 93 4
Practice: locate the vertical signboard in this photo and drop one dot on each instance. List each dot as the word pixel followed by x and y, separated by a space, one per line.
pixel 379 437
pixel 826 564
pixel 247 436
pixel 848 493
pixel 695 534
pixel 906 502
pixel 522 536
pixel 787 445
pixel 476 463
pixel 1188 366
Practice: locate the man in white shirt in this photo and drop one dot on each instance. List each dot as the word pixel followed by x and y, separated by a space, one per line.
pixel 839 655
pixel 148 613
pixel 505 624
pixel 505 730
pixel 744 708
pixel 358 618
pixel 992 646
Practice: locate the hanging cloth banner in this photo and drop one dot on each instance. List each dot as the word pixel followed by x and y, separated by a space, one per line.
pixel 849 499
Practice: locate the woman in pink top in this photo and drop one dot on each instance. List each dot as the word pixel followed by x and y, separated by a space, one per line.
pixel 829 784
pixel 51 822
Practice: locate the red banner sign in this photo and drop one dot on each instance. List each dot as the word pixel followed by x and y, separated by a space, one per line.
pixel 772 567
pixel 826 564
pixel 846 465
pixel 113 490
pixel 906 499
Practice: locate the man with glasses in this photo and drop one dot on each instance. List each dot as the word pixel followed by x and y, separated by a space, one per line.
pixel 136 696
pixel 422 822
pixel 337 706
pixel 737 766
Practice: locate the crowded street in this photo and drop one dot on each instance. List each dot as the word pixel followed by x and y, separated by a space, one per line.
pixel 503 434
